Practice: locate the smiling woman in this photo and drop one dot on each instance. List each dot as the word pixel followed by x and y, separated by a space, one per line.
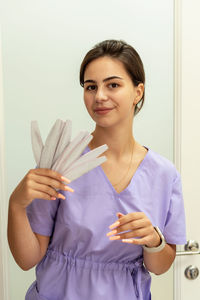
pixel 41 61
pixel 118 224
pixel 110 89
pixel 119 53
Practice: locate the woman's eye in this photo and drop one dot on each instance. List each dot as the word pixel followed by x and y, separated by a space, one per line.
pixel 91 87
pixel 113 85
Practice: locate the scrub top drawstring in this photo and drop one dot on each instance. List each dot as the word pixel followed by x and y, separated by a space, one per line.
pixel 133 268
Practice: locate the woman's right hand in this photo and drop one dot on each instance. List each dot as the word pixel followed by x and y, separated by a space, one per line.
pixel 39 183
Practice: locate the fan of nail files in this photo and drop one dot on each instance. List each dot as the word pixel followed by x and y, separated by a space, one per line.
pixel 62 154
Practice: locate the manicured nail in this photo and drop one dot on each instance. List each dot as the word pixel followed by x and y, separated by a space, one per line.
pixel 65 179
pixel 111 232
pixel 119 214
pixel 61 196
pixel 116 237
pixel 70 189
pixel 127 241
pixel 53 198
pixel 114 225
pixel 67 188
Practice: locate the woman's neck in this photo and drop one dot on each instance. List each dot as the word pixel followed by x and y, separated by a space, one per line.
pixel 120 141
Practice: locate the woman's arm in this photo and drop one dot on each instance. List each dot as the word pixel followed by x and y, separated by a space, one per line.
pixel 159 262
pixel 27 247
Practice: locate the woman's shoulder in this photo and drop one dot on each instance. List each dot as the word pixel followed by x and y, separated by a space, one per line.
pixel 160 163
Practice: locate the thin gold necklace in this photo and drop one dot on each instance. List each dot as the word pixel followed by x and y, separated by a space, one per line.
pixel 127 170
pixel 128 166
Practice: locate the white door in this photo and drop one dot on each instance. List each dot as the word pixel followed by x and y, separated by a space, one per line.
pixel 187 143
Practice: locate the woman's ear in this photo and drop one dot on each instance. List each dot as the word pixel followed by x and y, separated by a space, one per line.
pixel 139 93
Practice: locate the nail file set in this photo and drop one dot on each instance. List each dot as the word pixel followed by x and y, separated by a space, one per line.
pixel 61 154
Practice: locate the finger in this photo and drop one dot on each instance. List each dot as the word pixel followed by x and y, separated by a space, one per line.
pixel 127 218
pixel 49 173
pixel 43 196
pixel 47 190
pixel 133 225
pixel 51 182
pixel 141 241
pixel 132 234
pixel 119 215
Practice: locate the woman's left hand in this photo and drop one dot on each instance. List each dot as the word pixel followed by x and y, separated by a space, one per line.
pixel 139 227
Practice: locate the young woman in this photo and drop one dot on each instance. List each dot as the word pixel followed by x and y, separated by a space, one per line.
pixel 100 238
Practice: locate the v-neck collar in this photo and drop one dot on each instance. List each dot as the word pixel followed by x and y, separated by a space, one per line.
pixel 139 168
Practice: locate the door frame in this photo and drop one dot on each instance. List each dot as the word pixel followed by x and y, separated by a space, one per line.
pixel 4 283
pixel 178 21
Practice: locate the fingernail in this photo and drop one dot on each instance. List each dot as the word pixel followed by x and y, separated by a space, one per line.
pixel 61 196
pixel 70 189
pixel 53 198
pixel 112 238
pixel 67 188
pixel 65 179
pixel 114 225
pixel 119 214
pixel 111 232
pixel 127 241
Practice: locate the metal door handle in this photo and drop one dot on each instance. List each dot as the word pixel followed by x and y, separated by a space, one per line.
pixel 191 248
pixel 191 272
pixel 179 253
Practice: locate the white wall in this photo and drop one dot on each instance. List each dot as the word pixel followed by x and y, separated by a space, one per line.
pixel 3 200
pixel 43 43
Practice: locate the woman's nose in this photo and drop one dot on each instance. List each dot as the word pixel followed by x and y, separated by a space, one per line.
pixel 101 95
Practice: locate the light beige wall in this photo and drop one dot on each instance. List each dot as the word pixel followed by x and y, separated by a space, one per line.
pixel 3 202
pixel 43 45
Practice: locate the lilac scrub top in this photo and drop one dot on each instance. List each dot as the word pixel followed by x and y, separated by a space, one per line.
pixel 81 262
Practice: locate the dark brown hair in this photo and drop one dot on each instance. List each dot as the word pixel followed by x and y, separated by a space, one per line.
pixel 123 52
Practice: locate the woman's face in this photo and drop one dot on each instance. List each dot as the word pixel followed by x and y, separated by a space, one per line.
pixel 109 93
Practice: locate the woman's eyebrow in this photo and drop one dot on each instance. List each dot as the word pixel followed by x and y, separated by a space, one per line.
pixel 106 79
pixel 112 77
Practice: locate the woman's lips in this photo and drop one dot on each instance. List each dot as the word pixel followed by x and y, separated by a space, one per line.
pixel 103 111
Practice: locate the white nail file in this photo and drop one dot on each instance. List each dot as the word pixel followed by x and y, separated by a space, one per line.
pixel 64 139
pixel 50 145
pixel 75 153
pixel 84 168
pixel 62 155
pixel 68 155
pixel 36 140
pixel 87 157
